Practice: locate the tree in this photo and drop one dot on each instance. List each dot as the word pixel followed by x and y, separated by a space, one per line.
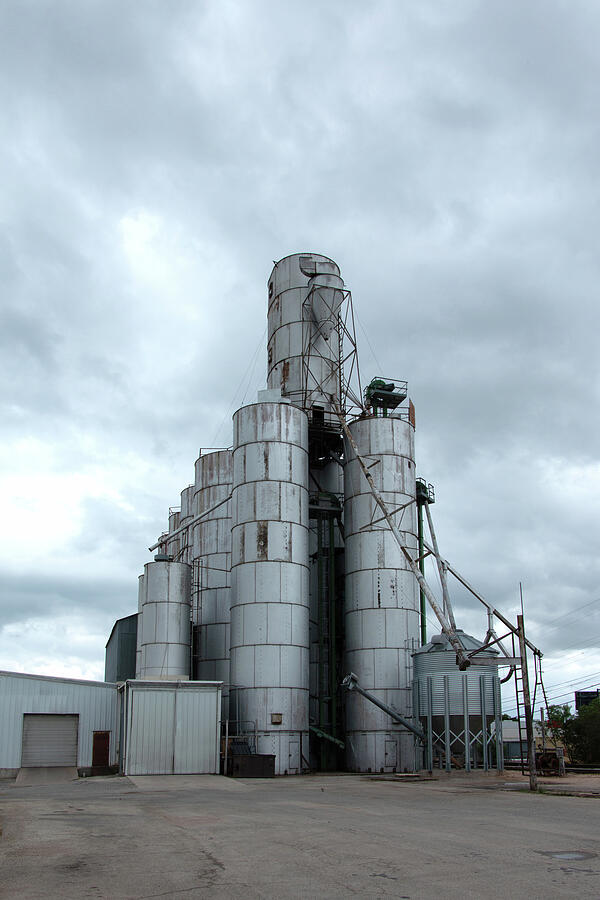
pixel 584 733
pixel 558 720
pixel 580 734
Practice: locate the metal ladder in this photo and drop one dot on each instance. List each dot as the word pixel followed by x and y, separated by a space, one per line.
pixel 520 698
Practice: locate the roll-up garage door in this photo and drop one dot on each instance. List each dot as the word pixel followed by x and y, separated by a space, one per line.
pixel 49 740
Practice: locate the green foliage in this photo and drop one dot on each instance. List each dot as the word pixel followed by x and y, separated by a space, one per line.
pixel 580 734
pixel 584 734
pixel 558 720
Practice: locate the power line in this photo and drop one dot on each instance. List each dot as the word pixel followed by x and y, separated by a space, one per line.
pixel 596 684
pixel 571 611
pixel 249 370
pixel 377 363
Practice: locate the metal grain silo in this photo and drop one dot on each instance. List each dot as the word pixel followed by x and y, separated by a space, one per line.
pixel 305 296
pixel 269 579
pixel 211 586
pixel 457 708
pixel 165 620
pixel 382 601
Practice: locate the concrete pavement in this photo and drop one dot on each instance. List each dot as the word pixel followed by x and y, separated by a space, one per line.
pixel 305 837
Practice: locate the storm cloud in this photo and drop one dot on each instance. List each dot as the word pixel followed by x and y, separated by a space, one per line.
pixel 156 160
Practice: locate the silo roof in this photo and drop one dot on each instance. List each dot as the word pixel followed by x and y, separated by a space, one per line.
pixel 440 643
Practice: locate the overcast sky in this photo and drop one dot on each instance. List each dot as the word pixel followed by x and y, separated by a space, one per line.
pixel 157 157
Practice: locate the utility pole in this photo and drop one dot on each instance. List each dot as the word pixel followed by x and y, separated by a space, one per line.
pixel 533 785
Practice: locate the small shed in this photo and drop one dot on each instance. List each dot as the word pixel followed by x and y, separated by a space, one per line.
pixel 170 727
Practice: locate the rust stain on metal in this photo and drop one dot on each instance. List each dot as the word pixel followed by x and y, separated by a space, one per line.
pixel 262 540
pixel 285 374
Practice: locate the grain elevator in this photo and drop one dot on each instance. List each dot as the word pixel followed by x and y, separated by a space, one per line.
pixel 278 574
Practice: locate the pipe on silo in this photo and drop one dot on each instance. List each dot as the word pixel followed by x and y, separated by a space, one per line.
pixel 138 645
pixel 173 544
pixel 185 521
pixel 382 598
pixel 269 580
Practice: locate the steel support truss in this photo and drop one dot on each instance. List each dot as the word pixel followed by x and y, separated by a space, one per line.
pixel 345 367
pixel 445 615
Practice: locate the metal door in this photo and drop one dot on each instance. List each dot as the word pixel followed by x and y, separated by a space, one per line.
pixel 49 740
pixel 196 732
pixel 294 757
pixel 151 732
pixel 100 749
pixel 391 754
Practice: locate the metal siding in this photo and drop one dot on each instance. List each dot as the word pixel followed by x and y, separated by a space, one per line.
pixel 291 327
pixel 382 599
pixel 49 740
pixel 269 578
pixel 120 659
pixel 94 702
pixel 441 663
pixel 195 744
pixel 165 623
pixel 172 729
pixel 212 565
pixel 151 733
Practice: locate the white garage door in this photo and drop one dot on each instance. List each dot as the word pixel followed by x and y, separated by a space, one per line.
pixel 49 740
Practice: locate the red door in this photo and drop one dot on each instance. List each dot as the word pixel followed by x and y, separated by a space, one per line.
pixel 100 748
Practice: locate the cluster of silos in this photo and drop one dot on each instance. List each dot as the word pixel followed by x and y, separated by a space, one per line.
pixel 201 547
pixel 294 579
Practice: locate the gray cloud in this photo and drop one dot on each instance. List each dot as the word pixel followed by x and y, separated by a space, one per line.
pixel 446 156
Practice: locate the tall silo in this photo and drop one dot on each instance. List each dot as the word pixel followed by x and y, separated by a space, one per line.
pixel 269 578
pixel 211 585
pixel 381 601
pixel 306 294
pixel 165 620
pixel 457 708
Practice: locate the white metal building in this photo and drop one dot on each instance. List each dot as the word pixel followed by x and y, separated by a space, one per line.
pixel 55 722
pixel 170 727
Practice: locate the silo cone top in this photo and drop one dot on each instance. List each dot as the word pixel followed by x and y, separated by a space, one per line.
pixel 440 643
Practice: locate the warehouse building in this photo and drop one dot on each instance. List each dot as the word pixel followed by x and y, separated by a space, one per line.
pixel 56 722
pixel 95 727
